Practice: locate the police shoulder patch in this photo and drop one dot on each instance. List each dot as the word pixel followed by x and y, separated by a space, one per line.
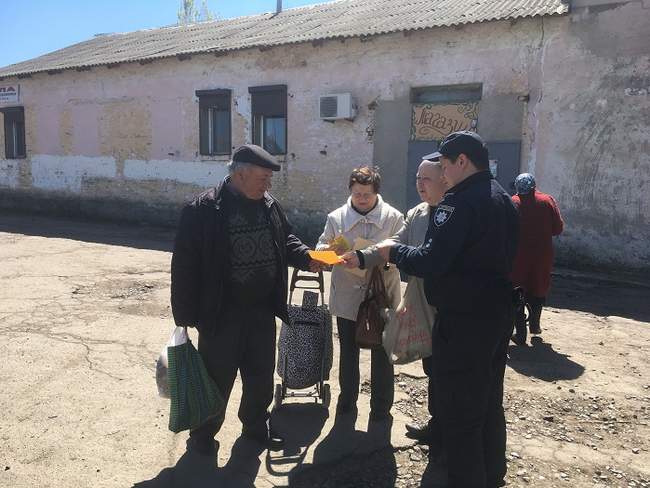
pixel 442 215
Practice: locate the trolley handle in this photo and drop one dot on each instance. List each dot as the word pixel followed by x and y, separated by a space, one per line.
pixel 297 276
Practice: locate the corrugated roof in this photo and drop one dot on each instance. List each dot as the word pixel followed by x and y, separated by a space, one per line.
pixel 339 19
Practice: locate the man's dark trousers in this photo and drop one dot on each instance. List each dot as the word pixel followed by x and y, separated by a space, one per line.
pixel 245 340
pixel 535 305
pixel 469 355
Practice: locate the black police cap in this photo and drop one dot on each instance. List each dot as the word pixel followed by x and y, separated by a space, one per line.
pixel 252 154
pixel 462 142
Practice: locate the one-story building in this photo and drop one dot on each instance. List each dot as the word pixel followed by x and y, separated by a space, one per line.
pixel 130 126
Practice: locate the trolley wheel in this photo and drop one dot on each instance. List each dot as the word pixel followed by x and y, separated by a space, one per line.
pixel 326 396
pixel 278 395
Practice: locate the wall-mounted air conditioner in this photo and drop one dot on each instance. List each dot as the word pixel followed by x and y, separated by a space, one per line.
pixel 337 106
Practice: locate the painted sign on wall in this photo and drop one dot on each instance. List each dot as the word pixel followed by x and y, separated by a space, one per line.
pixel 433 122
pixel 9 93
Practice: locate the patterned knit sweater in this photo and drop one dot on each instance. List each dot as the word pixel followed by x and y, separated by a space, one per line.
pixel 253 260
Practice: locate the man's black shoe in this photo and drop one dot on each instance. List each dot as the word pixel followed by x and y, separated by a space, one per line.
pixel 268 438
pixel 419 433
pixel 202 445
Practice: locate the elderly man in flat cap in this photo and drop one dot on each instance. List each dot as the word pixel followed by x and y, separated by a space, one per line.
pixel 229 280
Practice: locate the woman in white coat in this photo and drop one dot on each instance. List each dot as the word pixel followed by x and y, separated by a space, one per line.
pixel 364 219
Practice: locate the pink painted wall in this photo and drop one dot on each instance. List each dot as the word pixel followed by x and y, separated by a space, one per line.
pixel 85 138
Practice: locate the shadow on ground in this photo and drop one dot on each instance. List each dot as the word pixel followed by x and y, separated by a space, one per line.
pixel 540 360
pixel 347 457
pixel 196 471
pixel 111 233
pixel 300 423
pixel 601 297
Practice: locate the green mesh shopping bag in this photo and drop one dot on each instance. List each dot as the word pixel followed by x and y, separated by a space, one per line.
pixel 194 395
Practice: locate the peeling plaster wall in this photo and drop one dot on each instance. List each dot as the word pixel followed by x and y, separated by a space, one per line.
pixel 65 131
pixel 69 173
pixel 127 137
pixel 590 109
pixel 9 173
pixel 198 173
pixel 85 127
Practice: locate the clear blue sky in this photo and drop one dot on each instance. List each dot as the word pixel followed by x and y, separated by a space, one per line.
pixel 30 28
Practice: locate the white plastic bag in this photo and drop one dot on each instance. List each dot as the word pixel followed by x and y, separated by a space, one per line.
pixel 407 335
pixel 178 337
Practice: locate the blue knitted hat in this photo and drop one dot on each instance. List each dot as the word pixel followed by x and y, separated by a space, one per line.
pixel 524 183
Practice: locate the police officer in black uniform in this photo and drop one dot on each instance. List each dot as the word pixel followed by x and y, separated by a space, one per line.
pixel 465 261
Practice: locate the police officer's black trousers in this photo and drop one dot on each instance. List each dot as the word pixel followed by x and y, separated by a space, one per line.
pixel 381 372
pixel 434 423
pixel 427 367
pixel 245 341
pixel 469 357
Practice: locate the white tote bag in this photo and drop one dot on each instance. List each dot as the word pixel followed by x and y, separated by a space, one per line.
pixel 407 335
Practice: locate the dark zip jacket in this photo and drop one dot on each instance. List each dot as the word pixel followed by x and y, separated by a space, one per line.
pixel 468 250
pixel 200 262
